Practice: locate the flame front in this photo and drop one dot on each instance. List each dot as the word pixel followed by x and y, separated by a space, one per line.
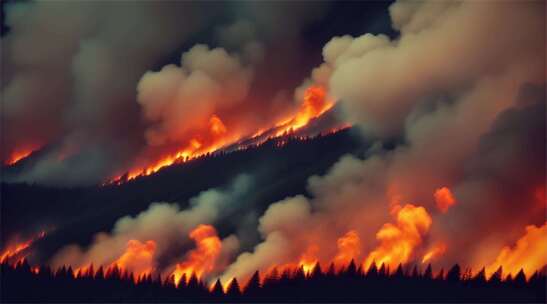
pixel 202 259
pixel 18 249
pixel 18 155
pixel 138 257
pixel 528 254
pixel 315 103
pixel 216 134
pixel 397 241
pixel 349 248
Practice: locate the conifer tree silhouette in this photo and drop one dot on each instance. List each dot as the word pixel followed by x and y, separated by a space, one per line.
pixel 428 274
pixel 233 291
pixel 454 273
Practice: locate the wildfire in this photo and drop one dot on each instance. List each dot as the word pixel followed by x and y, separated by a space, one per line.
pixel 138 257
pixel 397 241
pixel 208 141
pixel 217 135
pixel 349 248
pixel 202 259
pixel 309 259
pixel 18 248
pixel 315 103
pixel 17 156
pixel 528 254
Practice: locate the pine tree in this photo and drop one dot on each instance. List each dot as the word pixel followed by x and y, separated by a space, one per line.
pixel 233 291
pixel 480 277
pixel 217 291
pixel 497 276
pixel 253 286
pixel 428 274
pixel 100 274
pixel 399 272
pixel 454 273
pixel 372 271
pixel 351 271
pixel 520 278
pixel 317 272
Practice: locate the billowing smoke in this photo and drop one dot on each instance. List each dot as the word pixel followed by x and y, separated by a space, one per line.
pixel 464 90
pixel 461 91
pixel 71 72
pixel 163 229
pixel 75 83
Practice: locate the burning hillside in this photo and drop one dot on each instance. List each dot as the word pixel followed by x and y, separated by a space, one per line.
pixel 183 146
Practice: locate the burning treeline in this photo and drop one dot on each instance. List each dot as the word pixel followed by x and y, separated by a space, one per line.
pixel 348 285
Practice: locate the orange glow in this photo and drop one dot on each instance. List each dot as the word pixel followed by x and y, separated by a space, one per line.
pixel 315 103
pixel 309 259
pixel 528 254
pixel 349 248
pixel 216 125
pixel 17 156
pixel 436 251
pixel 138 258
pixel 216 135
pixel 18 248
pixel 209 140
pixel 202 259
pixel 397 241
pixel 444 199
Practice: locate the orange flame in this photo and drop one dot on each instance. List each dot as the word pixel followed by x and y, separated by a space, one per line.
pixel 138 257
pixel 437 250
pixel 17 156
pixel 315 103
pixel 18 248
pixel 202 259
pixel 397 241
pixel 444 199
pixel 309 259
pixel 216 135
pixel 195 148
pixel 528 254
pixel 216 125
pixel 349 248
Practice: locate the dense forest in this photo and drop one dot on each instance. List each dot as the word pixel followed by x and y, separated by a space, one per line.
pixel 21 283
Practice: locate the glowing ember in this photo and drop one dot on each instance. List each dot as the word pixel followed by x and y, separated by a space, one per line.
pixel 397 241
pixel 202 259
pixel 18 248
pixel 528 254
pixel 444 199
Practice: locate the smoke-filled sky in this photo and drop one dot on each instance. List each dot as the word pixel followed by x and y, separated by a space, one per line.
pixel 103 87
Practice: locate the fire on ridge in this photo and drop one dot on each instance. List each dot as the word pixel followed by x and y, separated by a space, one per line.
pixel 216 136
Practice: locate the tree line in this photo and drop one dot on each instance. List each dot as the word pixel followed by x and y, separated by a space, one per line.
pixel 22 283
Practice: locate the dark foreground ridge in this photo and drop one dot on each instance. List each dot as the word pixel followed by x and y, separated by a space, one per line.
pixel 21 283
